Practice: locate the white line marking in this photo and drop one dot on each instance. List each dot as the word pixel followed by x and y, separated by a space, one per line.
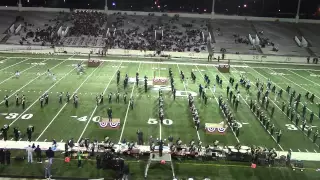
pixel 217 103
pixel 40 96
pixel 160 129
pixel 65 104
pixel 95 109
pixel 307 150
pixel 281 88
pixel 30 82
pixel 304 78
pixel 293 83
pixel 45 140
pixel 299 150
pixel 249 108
pixel 26 59
pixel 128 107
pixel 159 68
pixel 198 135
pixel 315 151
pixel 61 140
pixel 11 139
pixel 280 109
pixel 20 139
pixel 185 88
pixel 20 72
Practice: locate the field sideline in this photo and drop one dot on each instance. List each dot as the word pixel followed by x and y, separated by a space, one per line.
pixel 63 121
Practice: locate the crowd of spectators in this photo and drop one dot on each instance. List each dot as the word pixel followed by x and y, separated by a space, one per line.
pixel 30 34
pixel 88 23
pixel 151 33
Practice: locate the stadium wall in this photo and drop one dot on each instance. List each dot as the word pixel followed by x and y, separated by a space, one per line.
pixel 140 13
pixel 137 53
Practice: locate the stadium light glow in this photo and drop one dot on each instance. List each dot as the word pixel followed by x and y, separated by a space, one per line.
pixel 205 10
pixel 245 5
pixel 113 4
pixel 158 6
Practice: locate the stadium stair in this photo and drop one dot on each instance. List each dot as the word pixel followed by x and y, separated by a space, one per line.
pixel 5 39
pixel 300 34
pixel 210 29
pixel 311 53
pixel 257 33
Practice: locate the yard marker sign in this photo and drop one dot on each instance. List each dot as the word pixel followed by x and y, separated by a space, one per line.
pixel 214 128
pixel 105 124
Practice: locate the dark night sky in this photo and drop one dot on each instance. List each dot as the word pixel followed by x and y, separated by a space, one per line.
pixel 254 7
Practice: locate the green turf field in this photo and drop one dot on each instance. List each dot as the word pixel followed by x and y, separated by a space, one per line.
pixel 64 121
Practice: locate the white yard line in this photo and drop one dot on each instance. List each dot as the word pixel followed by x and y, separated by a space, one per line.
pixel 26 59
pixel 299 150
pixel 160 126
pixel 126 116
pixel 293 69
pixel 284 112
pixel 182 63
pixel 174 58
pixel 185 88
pixel 304 78
pixel 256 117
pixel 31 82
pixel 280 88
pixel 20 72
pixel 160 129
pixel 95 108
pixel 40 96
pixel 65 104
pixel 159 68
pixel 217 103
pixel 307 150
pixel 315 151
pixel 293 82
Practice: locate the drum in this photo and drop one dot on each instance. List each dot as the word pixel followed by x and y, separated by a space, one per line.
pixel 234 150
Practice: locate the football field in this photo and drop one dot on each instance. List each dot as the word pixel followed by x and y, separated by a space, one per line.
pixel 62 121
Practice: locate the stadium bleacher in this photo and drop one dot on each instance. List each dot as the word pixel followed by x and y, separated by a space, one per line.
pixel 180 34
